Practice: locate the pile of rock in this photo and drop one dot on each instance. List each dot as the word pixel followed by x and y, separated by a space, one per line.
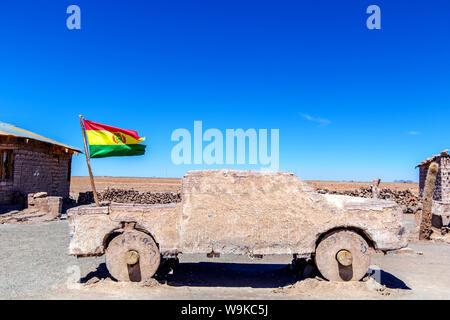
pixel 409 202
pixel 45 203
pixel 40 208
pixel 129 196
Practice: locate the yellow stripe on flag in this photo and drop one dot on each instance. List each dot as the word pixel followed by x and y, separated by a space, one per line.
pixel 103 137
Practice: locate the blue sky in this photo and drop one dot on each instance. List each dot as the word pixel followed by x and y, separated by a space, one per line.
pixel 350 103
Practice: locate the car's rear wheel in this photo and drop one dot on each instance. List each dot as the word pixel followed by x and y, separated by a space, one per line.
pixel 132 256
pixel 343 255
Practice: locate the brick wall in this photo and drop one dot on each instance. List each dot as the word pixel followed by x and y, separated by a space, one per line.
pixel 6 192
pixel 37 167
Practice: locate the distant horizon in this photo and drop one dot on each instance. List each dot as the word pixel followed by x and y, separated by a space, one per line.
pixel 178 178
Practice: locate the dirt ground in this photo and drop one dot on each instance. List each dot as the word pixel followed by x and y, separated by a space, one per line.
pixel 35 265
pixel 82 184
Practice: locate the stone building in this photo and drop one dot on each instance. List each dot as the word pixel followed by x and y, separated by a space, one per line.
pixel 441 197
pixel 30 163
pixel 442 189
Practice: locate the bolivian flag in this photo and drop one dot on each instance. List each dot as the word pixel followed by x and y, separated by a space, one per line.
pixel 107 141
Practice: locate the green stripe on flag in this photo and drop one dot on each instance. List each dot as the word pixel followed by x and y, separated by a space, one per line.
pixel 103 151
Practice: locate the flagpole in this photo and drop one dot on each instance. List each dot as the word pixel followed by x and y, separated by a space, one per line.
pixel 83 130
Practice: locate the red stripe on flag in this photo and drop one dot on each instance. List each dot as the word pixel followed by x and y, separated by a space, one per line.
pixel 91 125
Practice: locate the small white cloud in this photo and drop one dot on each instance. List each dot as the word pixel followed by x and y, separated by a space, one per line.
pixel 414 133
pixel 321 121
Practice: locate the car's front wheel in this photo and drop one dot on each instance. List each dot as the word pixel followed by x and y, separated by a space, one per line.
pixel 132 256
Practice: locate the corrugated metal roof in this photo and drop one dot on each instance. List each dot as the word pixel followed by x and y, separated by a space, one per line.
pixel 10 130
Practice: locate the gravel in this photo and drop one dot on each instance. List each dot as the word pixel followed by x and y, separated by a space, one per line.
pixel 33 259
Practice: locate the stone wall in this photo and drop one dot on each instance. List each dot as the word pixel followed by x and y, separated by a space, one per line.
pixel 129 196
pixel 37 167
pixel 423 177
pixel 445 178
pixel 404 198
pixel 442 188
